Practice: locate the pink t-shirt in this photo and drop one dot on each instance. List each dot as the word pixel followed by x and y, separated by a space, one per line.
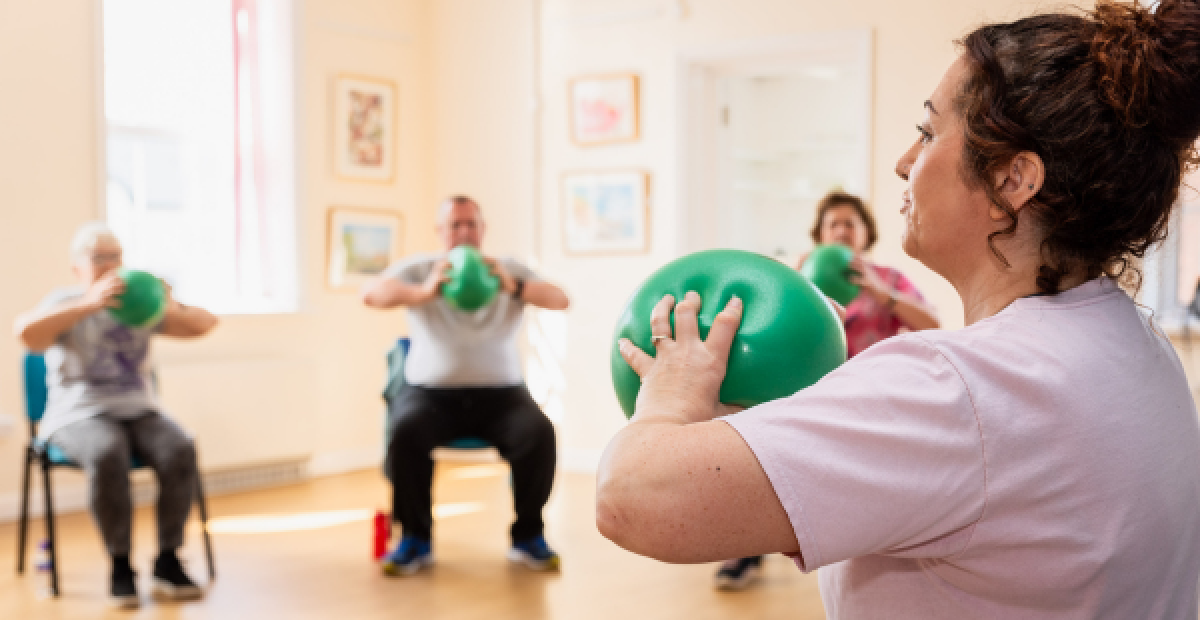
pixel 1041 463
pixel 868 321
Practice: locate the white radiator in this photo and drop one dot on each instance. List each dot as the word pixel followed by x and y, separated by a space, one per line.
pixel 243 412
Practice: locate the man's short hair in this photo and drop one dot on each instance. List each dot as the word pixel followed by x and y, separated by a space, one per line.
pixel 454 201
pixel 88 236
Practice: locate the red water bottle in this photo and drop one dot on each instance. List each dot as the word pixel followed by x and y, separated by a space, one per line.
pixel 383 531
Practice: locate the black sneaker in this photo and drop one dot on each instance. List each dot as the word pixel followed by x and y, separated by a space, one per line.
pixel 737 574
pixel 170 582
pixel 123 585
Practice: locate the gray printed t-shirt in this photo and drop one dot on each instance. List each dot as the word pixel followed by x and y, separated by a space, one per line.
pixel 96 366
pixel 452 348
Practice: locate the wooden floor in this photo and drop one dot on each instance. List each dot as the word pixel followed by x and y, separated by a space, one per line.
pixel 326 572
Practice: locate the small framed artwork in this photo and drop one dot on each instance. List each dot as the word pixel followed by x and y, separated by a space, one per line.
pixel 606 212
pixel 604 109
pixel 364 129
pixel 362 243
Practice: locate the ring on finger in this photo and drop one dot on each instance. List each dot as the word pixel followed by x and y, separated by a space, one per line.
pixel 654 340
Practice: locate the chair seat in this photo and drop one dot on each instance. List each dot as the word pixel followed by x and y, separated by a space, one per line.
pixel 60 458
pixel 468 443
pixel 57 456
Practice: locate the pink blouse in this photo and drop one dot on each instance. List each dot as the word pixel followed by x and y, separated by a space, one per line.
pixel 868 321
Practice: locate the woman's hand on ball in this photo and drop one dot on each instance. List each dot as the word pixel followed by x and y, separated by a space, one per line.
pixel 865 277
pixel 684 380
pixel 103 292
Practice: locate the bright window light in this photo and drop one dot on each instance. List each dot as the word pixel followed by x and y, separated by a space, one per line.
pixel 199 147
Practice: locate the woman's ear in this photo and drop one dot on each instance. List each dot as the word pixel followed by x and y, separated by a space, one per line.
pixel 1020 181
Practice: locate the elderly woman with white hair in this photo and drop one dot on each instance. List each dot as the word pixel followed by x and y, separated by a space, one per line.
pixel 101 408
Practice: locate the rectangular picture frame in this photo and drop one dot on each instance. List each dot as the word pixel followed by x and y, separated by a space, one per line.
pixel 361 243
pixel 604 109
pixel 364 128
pixel 606 212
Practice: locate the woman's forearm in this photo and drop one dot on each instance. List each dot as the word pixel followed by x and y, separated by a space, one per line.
pixel 187 321
pixel 38 329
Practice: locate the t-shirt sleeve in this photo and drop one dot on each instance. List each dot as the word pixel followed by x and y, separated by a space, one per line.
pixel 410 270
pixel 57 298
pixel 60 296
pixel 519 270
pixel 882 456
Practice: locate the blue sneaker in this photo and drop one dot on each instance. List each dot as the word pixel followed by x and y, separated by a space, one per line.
pixel 534 554
pixel 410 556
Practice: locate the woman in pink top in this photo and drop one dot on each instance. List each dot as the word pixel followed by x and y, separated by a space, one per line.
pixel 887 303
pixel 1041 462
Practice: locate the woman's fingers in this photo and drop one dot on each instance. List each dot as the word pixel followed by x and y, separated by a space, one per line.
pixel 841 311
pixel 724 328
pixel 637 359
pixel 660 319
pixel 686 312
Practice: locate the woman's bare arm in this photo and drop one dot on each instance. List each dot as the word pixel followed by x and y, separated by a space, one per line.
pixel 675 484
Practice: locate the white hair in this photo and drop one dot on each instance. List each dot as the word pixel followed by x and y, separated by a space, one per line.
pixel 88 236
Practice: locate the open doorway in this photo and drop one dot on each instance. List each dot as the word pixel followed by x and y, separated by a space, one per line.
pixel 769 128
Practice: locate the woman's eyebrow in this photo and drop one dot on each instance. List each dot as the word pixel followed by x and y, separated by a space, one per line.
pixel 929 104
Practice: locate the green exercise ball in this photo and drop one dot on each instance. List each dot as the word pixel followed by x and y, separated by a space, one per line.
pixel 828 267
pixel 144 300
pixel 471 284
pixel 790 335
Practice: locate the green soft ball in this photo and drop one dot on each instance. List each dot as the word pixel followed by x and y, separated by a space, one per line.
pixel 471 284
pixel 790 335
pixel 144 300
pixel 828 267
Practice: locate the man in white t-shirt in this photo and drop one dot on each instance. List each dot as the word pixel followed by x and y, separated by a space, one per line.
pixel 463 379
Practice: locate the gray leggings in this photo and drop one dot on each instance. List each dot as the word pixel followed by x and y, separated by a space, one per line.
pixel 104 446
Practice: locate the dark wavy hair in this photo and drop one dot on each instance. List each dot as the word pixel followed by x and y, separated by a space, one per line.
pixel 839 198
pixel 1110 100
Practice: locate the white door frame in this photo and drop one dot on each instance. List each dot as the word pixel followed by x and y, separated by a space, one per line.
pixel 699 69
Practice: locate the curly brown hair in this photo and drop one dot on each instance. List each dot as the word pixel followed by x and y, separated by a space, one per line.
pixel 839 198
pixel 1110 100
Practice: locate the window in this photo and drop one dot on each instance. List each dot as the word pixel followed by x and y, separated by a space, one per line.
pixel 199 147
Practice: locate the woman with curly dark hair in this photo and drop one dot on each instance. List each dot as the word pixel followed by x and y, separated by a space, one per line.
pixel 1042 462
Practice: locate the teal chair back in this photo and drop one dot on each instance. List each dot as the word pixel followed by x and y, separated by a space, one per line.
pixel 34 369
pixel 396 358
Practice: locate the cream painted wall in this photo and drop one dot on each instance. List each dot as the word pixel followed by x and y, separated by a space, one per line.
pixel 320 369
pixel 482 87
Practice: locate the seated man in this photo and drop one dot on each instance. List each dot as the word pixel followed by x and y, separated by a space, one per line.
pixel 463 379
pixel 101 408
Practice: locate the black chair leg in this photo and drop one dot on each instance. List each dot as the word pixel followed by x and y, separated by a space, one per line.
pixel 203 505
pixel 23 524
pixel 49 497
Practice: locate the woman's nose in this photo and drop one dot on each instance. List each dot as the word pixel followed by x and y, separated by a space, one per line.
pixel 904 164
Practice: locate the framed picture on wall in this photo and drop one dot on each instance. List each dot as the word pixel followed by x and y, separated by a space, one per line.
pixel 604 109
pixel 364 129
pixel 362 243
pixel 606 212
